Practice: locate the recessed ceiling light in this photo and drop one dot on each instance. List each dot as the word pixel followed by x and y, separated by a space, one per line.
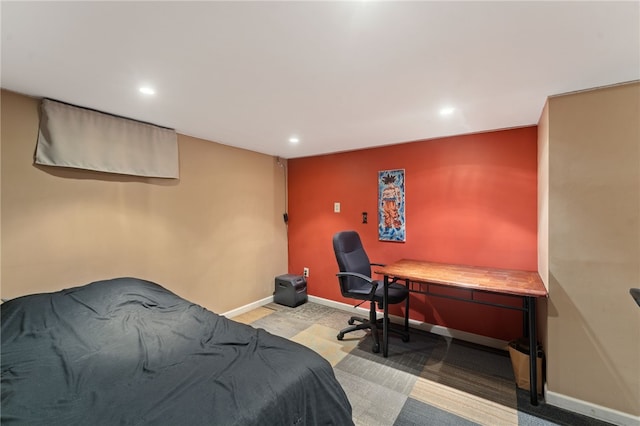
pixel 294 139
pixel 147 90
pixel 447 110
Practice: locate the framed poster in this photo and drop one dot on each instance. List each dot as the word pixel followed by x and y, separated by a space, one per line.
pixel 391 222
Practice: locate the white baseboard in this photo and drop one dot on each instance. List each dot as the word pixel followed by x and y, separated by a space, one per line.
pixel 592 410
pixel 435 329
pixel 431 328
pixel 246 308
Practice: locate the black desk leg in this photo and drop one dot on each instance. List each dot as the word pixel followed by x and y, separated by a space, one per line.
pixel 525 317
pixel 385 318
pixel 406 309
pixel 533 350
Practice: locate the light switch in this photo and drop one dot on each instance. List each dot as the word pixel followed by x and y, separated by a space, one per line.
pixel 336 207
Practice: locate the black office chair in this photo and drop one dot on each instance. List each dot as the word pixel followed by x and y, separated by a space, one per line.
pixel 356 283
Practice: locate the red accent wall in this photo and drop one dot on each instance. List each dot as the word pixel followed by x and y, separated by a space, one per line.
pixel 469 199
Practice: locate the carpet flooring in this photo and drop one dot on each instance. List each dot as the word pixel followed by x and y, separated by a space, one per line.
pixel 430 380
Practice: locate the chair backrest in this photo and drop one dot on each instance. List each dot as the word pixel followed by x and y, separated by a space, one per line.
pixel 351 257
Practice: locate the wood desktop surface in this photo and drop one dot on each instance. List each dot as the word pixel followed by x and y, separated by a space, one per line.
pixel 509 281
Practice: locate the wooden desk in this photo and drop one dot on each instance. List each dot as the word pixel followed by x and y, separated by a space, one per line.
pixel 419 276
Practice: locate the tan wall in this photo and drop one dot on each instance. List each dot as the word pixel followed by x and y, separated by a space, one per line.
pixel 215 236
pixel 543 220
pixel 594 246
pixel 543 195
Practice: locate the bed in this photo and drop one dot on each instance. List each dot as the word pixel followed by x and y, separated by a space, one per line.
pixel 130 352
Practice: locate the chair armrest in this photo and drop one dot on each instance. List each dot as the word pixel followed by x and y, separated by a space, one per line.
pixel 393 280
pixel 374 285
pixel 355 274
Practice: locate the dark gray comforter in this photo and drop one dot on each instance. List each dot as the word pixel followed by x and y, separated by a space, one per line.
pixel 129 352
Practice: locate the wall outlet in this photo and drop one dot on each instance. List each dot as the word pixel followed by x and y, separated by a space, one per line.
pixel 305 272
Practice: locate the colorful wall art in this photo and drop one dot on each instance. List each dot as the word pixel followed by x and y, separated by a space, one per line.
pixel 391 209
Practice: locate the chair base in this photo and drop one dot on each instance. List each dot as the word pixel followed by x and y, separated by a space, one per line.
pixel 373 326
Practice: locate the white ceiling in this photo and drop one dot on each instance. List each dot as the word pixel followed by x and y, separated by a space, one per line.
pixel 339 75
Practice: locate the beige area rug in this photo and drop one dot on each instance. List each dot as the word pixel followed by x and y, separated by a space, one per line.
pixel 322 339
pixel 463 404
pixel 254 315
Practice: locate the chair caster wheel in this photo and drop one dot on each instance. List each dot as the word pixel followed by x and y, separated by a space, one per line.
pixel 375 349
pixel 351 321
pixel 405 339
pixel 340 336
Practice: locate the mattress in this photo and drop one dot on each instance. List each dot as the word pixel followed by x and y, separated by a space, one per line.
pixel 130 352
